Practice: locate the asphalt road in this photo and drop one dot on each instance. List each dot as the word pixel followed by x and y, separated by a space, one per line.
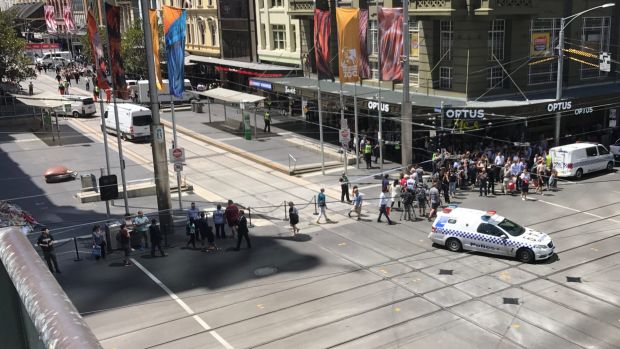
pixel 348 284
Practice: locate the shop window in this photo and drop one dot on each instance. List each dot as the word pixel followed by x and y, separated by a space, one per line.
pixel 594 39
pixel 543 38
pixel 495 77
pixel 445 40
pixel 497 35
pixel 445 78
pixel 414 38
pixel 373 37
pixel 278 33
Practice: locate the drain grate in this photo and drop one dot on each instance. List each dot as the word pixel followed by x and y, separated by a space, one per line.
pixel 445 271
pixel 511 301
pixel 573 279
pixel 265 271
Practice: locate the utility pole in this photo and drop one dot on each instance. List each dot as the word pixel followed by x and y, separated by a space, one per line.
pixel 558 91
pixel 406 131
pixel 158 139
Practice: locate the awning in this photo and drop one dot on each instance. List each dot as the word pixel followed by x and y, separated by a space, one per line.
pixel 239 64
pixel 42 100
pixel 26 10
pixel 226 95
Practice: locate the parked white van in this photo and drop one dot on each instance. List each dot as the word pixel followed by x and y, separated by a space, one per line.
pixel 80 106
pixel 134 121
pixel 48 58
pixel 143 96
pixel 574 160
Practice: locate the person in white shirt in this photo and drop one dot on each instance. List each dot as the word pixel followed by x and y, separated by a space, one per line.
pixel 383 201
pixel 499 160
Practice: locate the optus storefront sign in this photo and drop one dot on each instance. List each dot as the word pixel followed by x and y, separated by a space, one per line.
pixel 472 114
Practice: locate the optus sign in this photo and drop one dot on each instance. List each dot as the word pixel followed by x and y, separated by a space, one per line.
pixel 465 114
pixel 559 106
pixel 375 105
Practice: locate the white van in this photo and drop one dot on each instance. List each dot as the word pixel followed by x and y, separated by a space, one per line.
pixel 164 95
pixel 48 58
pixel 574 160
pixel 80 106
pixel 134 121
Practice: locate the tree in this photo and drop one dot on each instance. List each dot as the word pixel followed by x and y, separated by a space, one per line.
pixel 134 51
pixel 15 65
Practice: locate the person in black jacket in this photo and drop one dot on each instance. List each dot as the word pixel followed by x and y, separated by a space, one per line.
pixel 242 231
pixel 155 235
pixel 46 242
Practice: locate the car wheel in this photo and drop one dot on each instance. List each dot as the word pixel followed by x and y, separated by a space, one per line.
pixel 579 174
pixel 454 245
pixel 610 166
pixel 525 255
pixel 76 114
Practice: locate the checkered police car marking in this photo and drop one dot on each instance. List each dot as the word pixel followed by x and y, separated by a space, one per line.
pixel 480 237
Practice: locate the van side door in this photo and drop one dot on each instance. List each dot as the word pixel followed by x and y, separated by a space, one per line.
pixel 592 161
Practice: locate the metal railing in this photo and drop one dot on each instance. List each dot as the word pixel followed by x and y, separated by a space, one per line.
pixel 291 157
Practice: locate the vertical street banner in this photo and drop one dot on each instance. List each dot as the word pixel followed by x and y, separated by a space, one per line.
pixel 347 21
pixel 155 39
pixel 174 33
pixel 50 18
pixel 541 45
pixel 97 50
pixel 391 43
pixel 322 30
pixel 364 68
pixel 113 17
pixel 68 17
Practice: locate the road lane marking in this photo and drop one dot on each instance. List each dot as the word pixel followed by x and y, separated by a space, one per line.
pixel 183 305
pixel 579 211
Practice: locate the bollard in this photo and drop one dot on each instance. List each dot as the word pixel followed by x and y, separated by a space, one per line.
pixel 250 217
pixel 285 212
pixel 316 213
pixel 77 253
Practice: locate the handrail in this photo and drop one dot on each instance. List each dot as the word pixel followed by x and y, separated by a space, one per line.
pixel 289 163
pixel 56 319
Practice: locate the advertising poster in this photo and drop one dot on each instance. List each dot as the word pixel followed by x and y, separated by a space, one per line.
pixel 347 20
pixel 391 43
pixel 541 45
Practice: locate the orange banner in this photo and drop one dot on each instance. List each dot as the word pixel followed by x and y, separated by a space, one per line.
pixel 347 20
pixel 155 39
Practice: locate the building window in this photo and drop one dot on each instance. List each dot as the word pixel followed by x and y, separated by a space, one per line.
pixel 414 75
pixel 374 69
pixel 277 3
pixel 495 77
pixel 445 40
pixel 544 37
pixel 445 78
pixel 199 3
pixel 203 32
pixel 189 34
pixel 594 39
pixel 210 3
pixel 212 31
pixel 278 33
pixel 373 37
pixel 497 35
pixel 261 3
pixel 293 38
pixel 414 37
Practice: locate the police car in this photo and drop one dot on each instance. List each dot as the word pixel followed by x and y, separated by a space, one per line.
pixel 475 230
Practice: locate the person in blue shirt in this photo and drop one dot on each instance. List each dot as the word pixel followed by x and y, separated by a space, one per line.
pixel 320 199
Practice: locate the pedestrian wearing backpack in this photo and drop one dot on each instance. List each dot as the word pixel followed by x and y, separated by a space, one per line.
pixel 191 232
pixel 408 199
pixel 421 196
pixel 321 201
pixel 435 200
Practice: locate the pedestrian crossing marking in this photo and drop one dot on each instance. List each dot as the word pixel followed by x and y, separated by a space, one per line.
pixel 342 244
pixel 397 309
pixel 504 276
pixel 594 249
pixel 383 271
pixel 260 306
pixel 515 326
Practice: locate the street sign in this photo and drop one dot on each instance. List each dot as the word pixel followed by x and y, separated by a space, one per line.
pixel 159 134
pixel 178 167
pixel 604 62
pixel 177 155
pixel 345 135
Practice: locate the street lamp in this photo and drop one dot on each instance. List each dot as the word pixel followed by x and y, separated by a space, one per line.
pixel 558 92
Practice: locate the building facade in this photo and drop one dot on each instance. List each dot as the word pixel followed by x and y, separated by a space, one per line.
pixel 202 32
pixel 278 34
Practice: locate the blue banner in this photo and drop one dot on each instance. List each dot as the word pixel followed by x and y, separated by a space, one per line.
pixel 174 32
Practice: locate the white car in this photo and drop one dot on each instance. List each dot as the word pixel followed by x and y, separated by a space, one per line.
pixel 475 230
pixel 615 149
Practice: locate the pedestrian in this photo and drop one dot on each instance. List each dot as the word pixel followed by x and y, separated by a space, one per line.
pixel 385 182
pixel 67 84
pixel 141 227
pixel 357 203
pixel 552 183
pixel 45 68
pixel 156 236
pixel 368 154
pixel 61 88
pixel 30 88
pixel 124 238
pixel 482 181
pixel 293 216
pixel 108 95
pixel 232 216
pixel 46 243
pixel 242 231
pixel 193 213
pixel 202 227
pixel 383 210
pixel 267 119
pixel 321 202
pixel 435 201
pixel 99 243
pixel 191 232
pixel 445 186
pixel 218 221
pixel 541 170
pixel 504 175
pixel 452 183
pixel 87 84
pixel 408 199
pixel 396 192
pixel 525 183
pixel 491 174
pixel 421 197
pixel 96 92
pixel 76 76
pixel 344 187
pixel 58 77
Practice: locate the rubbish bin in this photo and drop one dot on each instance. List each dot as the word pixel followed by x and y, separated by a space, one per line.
pixel 111 229
pixel 89 183
pixel 199 107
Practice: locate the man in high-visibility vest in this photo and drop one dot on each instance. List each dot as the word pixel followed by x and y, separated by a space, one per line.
pixel 267 122
pixel 368 154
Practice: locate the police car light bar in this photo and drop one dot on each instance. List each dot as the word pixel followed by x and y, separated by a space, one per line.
pixel 491 212
pixel 449 208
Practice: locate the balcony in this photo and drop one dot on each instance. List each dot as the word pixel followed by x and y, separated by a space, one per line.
pixel 301 8
pixel 437 7
pixel 505 7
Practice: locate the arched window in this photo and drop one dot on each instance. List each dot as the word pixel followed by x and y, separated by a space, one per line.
pixel 187 4
pixel 202 28
pixel 189 34
pixel 212 30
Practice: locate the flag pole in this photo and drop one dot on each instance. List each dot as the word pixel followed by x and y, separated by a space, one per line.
pixel 356 138
pixel 343 125
pixel 318 81
pixel 406 126
pixel 379 135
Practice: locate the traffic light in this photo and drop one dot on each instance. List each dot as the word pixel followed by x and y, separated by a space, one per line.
pixel 108 187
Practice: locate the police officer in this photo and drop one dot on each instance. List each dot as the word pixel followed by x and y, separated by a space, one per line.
pixel 46 243
pixel 368 154
pixel 267 122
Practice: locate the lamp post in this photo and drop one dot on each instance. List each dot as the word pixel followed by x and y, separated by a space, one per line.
pixel 564 22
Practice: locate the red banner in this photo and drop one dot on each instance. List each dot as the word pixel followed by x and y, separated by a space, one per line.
pixel 113 16
pixel 364 68
pixel 248 73
pixel 42 46
pixel 68 17
pixel 50 18
pixel 391 43
pixel 322 31
pixel 97 51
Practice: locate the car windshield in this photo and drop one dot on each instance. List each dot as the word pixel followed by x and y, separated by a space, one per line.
pixel 511 227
